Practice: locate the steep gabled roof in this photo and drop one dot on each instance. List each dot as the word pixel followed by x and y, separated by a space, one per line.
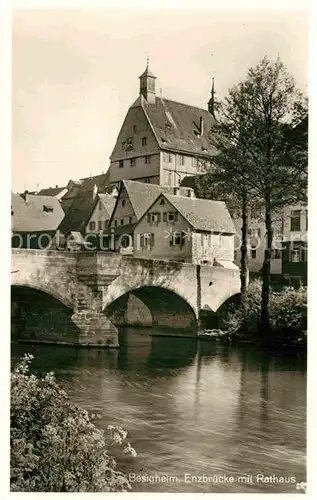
pixel 38 213
pixel 203 215
pixel 177 126
pixel 108 202
pixel 142 195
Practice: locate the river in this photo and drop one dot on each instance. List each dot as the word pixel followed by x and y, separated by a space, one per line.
pixel 197 413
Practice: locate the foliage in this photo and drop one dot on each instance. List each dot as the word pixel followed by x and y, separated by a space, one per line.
pixel 55 446
pixel 261 139
pixel 287 314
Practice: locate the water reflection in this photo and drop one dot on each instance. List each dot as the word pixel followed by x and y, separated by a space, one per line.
pixel 192 407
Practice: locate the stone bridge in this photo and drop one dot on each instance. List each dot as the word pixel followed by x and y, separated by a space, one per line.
pixel 81 297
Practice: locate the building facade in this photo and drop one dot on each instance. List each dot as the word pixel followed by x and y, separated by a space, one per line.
pixel 186 229
pixel 161 141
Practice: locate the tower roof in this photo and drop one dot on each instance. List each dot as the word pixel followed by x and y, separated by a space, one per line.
pixel 147 71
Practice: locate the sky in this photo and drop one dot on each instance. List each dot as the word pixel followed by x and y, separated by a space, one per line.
pixel 75 74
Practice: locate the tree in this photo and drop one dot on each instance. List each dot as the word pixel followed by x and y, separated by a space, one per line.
pixel 55 446
pixel 259 149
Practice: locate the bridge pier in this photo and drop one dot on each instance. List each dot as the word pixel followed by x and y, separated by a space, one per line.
pixel 95 329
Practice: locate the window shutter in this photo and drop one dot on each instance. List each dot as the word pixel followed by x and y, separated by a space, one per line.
pixel 142 240
pixel 158 217
pixel 152 239
pixel 165 216
pixel 149 217
pixel 182 238
pixel 176 216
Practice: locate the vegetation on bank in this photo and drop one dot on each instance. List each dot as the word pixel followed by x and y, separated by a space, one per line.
pixel 288 318
pixel 55 445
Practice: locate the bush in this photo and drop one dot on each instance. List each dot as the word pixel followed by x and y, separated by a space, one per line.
pixel 288 314
pixel 55 446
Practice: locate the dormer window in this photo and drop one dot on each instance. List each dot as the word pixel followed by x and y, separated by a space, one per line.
pixel 163 140
pixel 48 208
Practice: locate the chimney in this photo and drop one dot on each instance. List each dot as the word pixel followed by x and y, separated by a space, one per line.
pixel 56 185
pixel 190 193
pixel 201 126
pixel 94 191
pixel 176 190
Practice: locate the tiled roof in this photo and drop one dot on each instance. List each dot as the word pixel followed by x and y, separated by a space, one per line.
pixel 39 213
pixel 203 215
pixel 177 126
pixel 142 195
pixel 78 213
pixel 51 191
pixel 108 202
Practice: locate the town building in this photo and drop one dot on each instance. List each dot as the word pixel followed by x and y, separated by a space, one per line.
pixel 161 141
pixel 133 199
pixel 186 229
pixel 101 213
pixel 34 220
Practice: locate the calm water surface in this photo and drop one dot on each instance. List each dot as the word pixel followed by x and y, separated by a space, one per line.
pixel 192 408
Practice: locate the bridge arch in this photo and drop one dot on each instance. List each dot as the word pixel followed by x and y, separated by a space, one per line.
pixel 37 314
pixel 164 309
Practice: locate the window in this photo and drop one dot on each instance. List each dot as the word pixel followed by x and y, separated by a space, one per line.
pixel 235 255
pixel 295 252
pixel 130 220
pixel 194 162
pixel 181 159
pixel 144 141
pixel 123 145
pixel 120 163
pixel 135 129
pixel 259 232
pixel 147 159
pixel 253 253
pixel 162 202
pixel 306 218
pixel 123 202
pixel 100 225
pixel 154 217
pixel 122 222
pixel 115 223
pixel 147 240
pixel 106 223
pixel 92 225
pixel 129 144
pixel 295 220
pixel 167 157
pixel 276 254
pixel 170 216
pixel 147 180
pixel 132 162
pixel 177 238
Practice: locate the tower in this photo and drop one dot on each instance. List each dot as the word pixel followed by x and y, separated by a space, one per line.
pixel 211 102
pixel 147 84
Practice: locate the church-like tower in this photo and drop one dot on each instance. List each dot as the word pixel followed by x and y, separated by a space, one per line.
pixel 147 84
pixel 212 102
